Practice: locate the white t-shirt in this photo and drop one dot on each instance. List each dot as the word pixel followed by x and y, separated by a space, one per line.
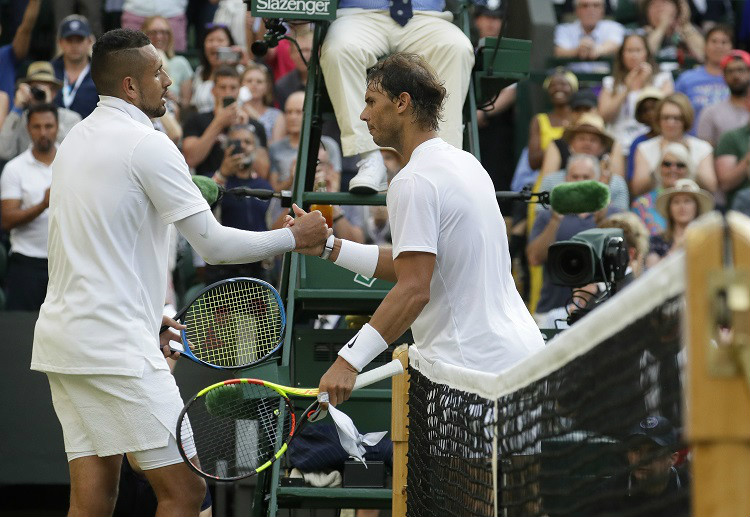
pixel 117 185
pixel 27 179
pixel 443 203
pixel 568 35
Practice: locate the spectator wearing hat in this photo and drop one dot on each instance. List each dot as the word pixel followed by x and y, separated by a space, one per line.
pixel 588 136
pixel 38 87
pixel 731 113
pixel 590 36
pixel 72 68
pixel 547 127
pixel 651 486
pixel 704 85
pixel 674 117
pixel 645 114
pixel 15 52
pixel 634 71
pixel 680 206
pixel 675 165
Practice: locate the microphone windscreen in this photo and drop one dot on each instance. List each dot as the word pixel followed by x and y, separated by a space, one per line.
pixel 208 187
pixel 579 197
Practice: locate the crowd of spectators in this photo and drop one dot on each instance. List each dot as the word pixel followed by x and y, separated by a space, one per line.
pixel 643 95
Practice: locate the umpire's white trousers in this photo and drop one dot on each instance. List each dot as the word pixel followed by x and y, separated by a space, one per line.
pixel 359 37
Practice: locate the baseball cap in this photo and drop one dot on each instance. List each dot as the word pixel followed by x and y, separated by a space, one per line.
pixel 656 429
pixel 583 98
pixel 74 25
pixel 735 54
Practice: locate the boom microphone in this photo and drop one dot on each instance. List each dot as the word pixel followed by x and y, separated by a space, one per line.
pixel 213 192
pixel 579 197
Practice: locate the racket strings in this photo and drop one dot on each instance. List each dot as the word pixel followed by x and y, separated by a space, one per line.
pixel 234 324
pixel 236 428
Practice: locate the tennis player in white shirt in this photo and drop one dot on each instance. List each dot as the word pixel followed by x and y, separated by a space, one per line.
pixel 449 259
pixel 117 184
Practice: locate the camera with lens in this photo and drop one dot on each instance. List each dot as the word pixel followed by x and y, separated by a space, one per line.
pixel 38 94
pixel 596 255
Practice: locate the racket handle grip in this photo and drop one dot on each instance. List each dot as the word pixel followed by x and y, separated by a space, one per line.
pixel 162 329
pixel 378 374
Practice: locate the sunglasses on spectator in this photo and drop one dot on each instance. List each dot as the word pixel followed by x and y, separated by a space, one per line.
pixel 212 25
pixel 590 5
pixel 676 118
pixel 669 165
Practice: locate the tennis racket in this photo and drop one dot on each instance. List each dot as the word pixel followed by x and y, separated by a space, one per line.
pixel 241 426
pixel 232 324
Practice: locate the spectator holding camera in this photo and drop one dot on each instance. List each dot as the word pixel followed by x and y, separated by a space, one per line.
pixel 217 51
pixel 244 213
pixel 205 133
pixel 40 86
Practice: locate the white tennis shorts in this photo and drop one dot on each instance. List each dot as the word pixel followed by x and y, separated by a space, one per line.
pixel 104 415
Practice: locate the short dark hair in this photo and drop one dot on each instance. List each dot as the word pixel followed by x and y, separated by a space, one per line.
pixel 226 71
pixel 721 28
pixel 44 107
pixel 115 56
pixel 402 72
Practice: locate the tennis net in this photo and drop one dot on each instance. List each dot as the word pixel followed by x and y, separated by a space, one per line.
pixel 589 426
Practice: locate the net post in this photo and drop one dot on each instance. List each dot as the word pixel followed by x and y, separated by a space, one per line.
pixel 400 431
pixel 718 386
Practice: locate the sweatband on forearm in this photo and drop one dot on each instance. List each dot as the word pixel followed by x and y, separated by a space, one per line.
pixel 360 258
pixel 218 244
pixel 365 346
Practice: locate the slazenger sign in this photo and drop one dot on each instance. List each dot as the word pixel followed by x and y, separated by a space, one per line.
pixel 295 9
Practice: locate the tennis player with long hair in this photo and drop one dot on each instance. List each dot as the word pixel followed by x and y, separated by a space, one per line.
pixel 449 258
pixel 117 185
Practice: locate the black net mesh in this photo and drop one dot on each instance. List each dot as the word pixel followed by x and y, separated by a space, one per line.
pixel 598 436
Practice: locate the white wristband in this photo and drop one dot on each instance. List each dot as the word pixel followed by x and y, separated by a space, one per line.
pixel 365 346
pixel 360 258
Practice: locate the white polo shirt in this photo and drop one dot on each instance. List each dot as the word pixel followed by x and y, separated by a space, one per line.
pixel 27 179
pixel 117 185
pixel 443 202
pixel 569 35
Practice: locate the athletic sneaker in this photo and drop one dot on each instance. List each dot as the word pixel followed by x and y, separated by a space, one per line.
pixel 371 176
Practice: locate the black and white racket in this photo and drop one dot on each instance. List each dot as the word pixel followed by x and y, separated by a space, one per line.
pixel 232 324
